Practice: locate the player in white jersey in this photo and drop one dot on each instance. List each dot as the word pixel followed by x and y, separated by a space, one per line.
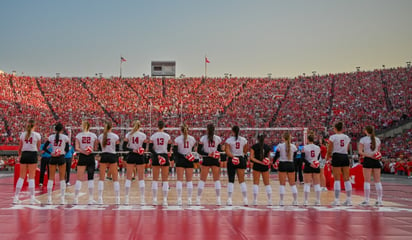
pixel 86 143
pixel 60 144
pixel 338 151
pixel 259 155
pixel 29 145
pixel 135 142
pixel 311 172
pixel 286 152
pixel 209 147
pixel 182 151
pixel 160 146
pixel 108 159
pixel 236 147
pixel 369 148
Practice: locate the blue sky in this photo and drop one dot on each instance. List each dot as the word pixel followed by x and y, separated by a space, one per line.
pixel 241 37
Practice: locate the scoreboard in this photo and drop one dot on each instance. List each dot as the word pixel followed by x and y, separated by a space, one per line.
pixel 163 69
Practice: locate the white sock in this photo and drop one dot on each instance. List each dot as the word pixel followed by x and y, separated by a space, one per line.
pixel 269 192
pixel 317 191
pixel 230 189
pixel 50 187
pixel 62 188
pixel 77 188
pixel 127 185
pixel 217 188
pixel 189 186
pixel 179 187
pixel 116 187
pixel 91 188
pixel 281 192
pixel 154 189
pixel 294 192
pixel 19 185
pixel 255 192
pixel 100 188
pixel 165 189
pixel 243 188
pixel 367 189
pixel 31 188
pixel 306 190
pixel 200 187
pixel 348 189
pixel 379 190
pixel 336 188
pixel 142 187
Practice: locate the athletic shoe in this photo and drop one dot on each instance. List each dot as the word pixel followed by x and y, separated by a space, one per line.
pixel 40 184
pixel 335 203
pixel 91 202
pixel 76 201
pixel 295 203
pixel 218 201
pixel 49 201
pixel 16 200
pixel 62 201
pixel 364 204
pixel 324 189
pixel 126 201
pixel 245 201
pixel 229 202
pixel 379 203
pixel 100 201
pixel 68 184
pixel 142 202
pixel 198 201
pixel 117 200
pixel 347 203
pixel 269 202
pixel 179 202
pixel 317 203
pixel 255 203
pixel 33 200
pixel 305 203
pixel 189 201
pixel 165 202
pixel 154 202
pixel 281 203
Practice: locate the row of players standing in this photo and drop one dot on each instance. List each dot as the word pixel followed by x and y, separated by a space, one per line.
pixel 209 147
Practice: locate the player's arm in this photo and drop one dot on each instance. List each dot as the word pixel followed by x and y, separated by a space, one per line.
pixel 227 150
pixel 329 152
pixel 20 146
pixel 45 147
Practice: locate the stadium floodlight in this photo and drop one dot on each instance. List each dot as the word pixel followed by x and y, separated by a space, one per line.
pixel 358 69
pixel 408 64
pixel 383 65
pixel 314 73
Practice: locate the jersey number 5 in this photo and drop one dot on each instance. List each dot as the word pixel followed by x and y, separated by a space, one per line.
pixel 342 143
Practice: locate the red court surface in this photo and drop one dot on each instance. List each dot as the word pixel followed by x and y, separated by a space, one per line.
pixel 393 221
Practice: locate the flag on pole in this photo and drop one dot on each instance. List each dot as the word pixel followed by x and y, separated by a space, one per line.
pixel 207 60
pixel 122 59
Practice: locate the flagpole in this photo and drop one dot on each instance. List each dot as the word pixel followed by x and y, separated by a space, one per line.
pixel 205 67
pixel 120 66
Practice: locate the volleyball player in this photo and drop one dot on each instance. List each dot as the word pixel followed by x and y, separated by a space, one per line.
pixel 236 147
pixel 109 141
pixel 259 156
pixel 135 141
pixel 286 152
pixel 311 172
pixel 60 144
pixel 86 143
pixel 209 148
pixel 29 145
pixel 368 147
pixel 338 148
pixel 160 145
pixel 184 159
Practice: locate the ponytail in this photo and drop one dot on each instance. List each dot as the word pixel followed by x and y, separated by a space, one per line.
pixel 29 128
pixel 85 126
pixel 107 127
pixel 136 127
pixel 371 131
pixel 286 136
pixel 185 130
pixel 261 141
pixel 58 128
pixel 210 132
pixel 235 130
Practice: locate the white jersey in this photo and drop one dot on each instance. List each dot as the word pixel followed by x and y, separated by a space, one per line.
pixel 30 144
pixel 209 147
pixel 367 142
pixel 236 146
pixel 86 139
pixel 160 141
pixel 112 138
pixel 340 143
pixel 185 147
pixel 61 144
pixel 312 152
pixel 135 140
pixel 281 148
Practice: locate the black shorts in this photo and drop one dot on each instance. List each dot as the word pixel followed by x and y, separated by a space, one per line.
pixel 57 160
pixel 241 165
pixel 86 160
pixel 309 169
pixel 108 158
pixel 181 161
pixel 28 157
pixel 223 157
pixel 135 158
pixel 340 160
pixel 209 161
pixel 286 167
pixel 155 160
pixel 259 167
pixel 371 163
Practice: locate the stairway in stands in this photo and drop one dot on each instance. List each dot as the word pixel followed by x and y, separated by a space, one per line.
pixel 55 116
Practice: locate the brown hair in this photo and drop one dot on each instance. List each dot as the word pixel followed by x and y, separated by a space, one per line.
pixel 339 126
pixel 185 130
pixel 311 136
pixel 210 132
pixel 371 131
pixel 235 130
pixel 107 127
pixel 29 128
pixel 286 136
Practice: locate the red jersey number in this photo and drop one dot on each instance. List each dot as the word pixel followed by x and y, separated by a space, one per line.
pixel 86 140
pixel 160 141
pixel 58 144
pixel 186 144
pixel 135 140
pixel 237 145
pixel 312 154
pixel 30 140
pixel 342 143
pixel 108 142
pixel 212 144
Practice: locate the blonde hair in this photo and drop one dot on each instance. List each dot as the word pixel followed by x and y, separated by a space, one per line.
pixel 136 127
pixel 29 128
pixel 185 130
pixel 85 126
pixel 286 136
pixel 107 127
